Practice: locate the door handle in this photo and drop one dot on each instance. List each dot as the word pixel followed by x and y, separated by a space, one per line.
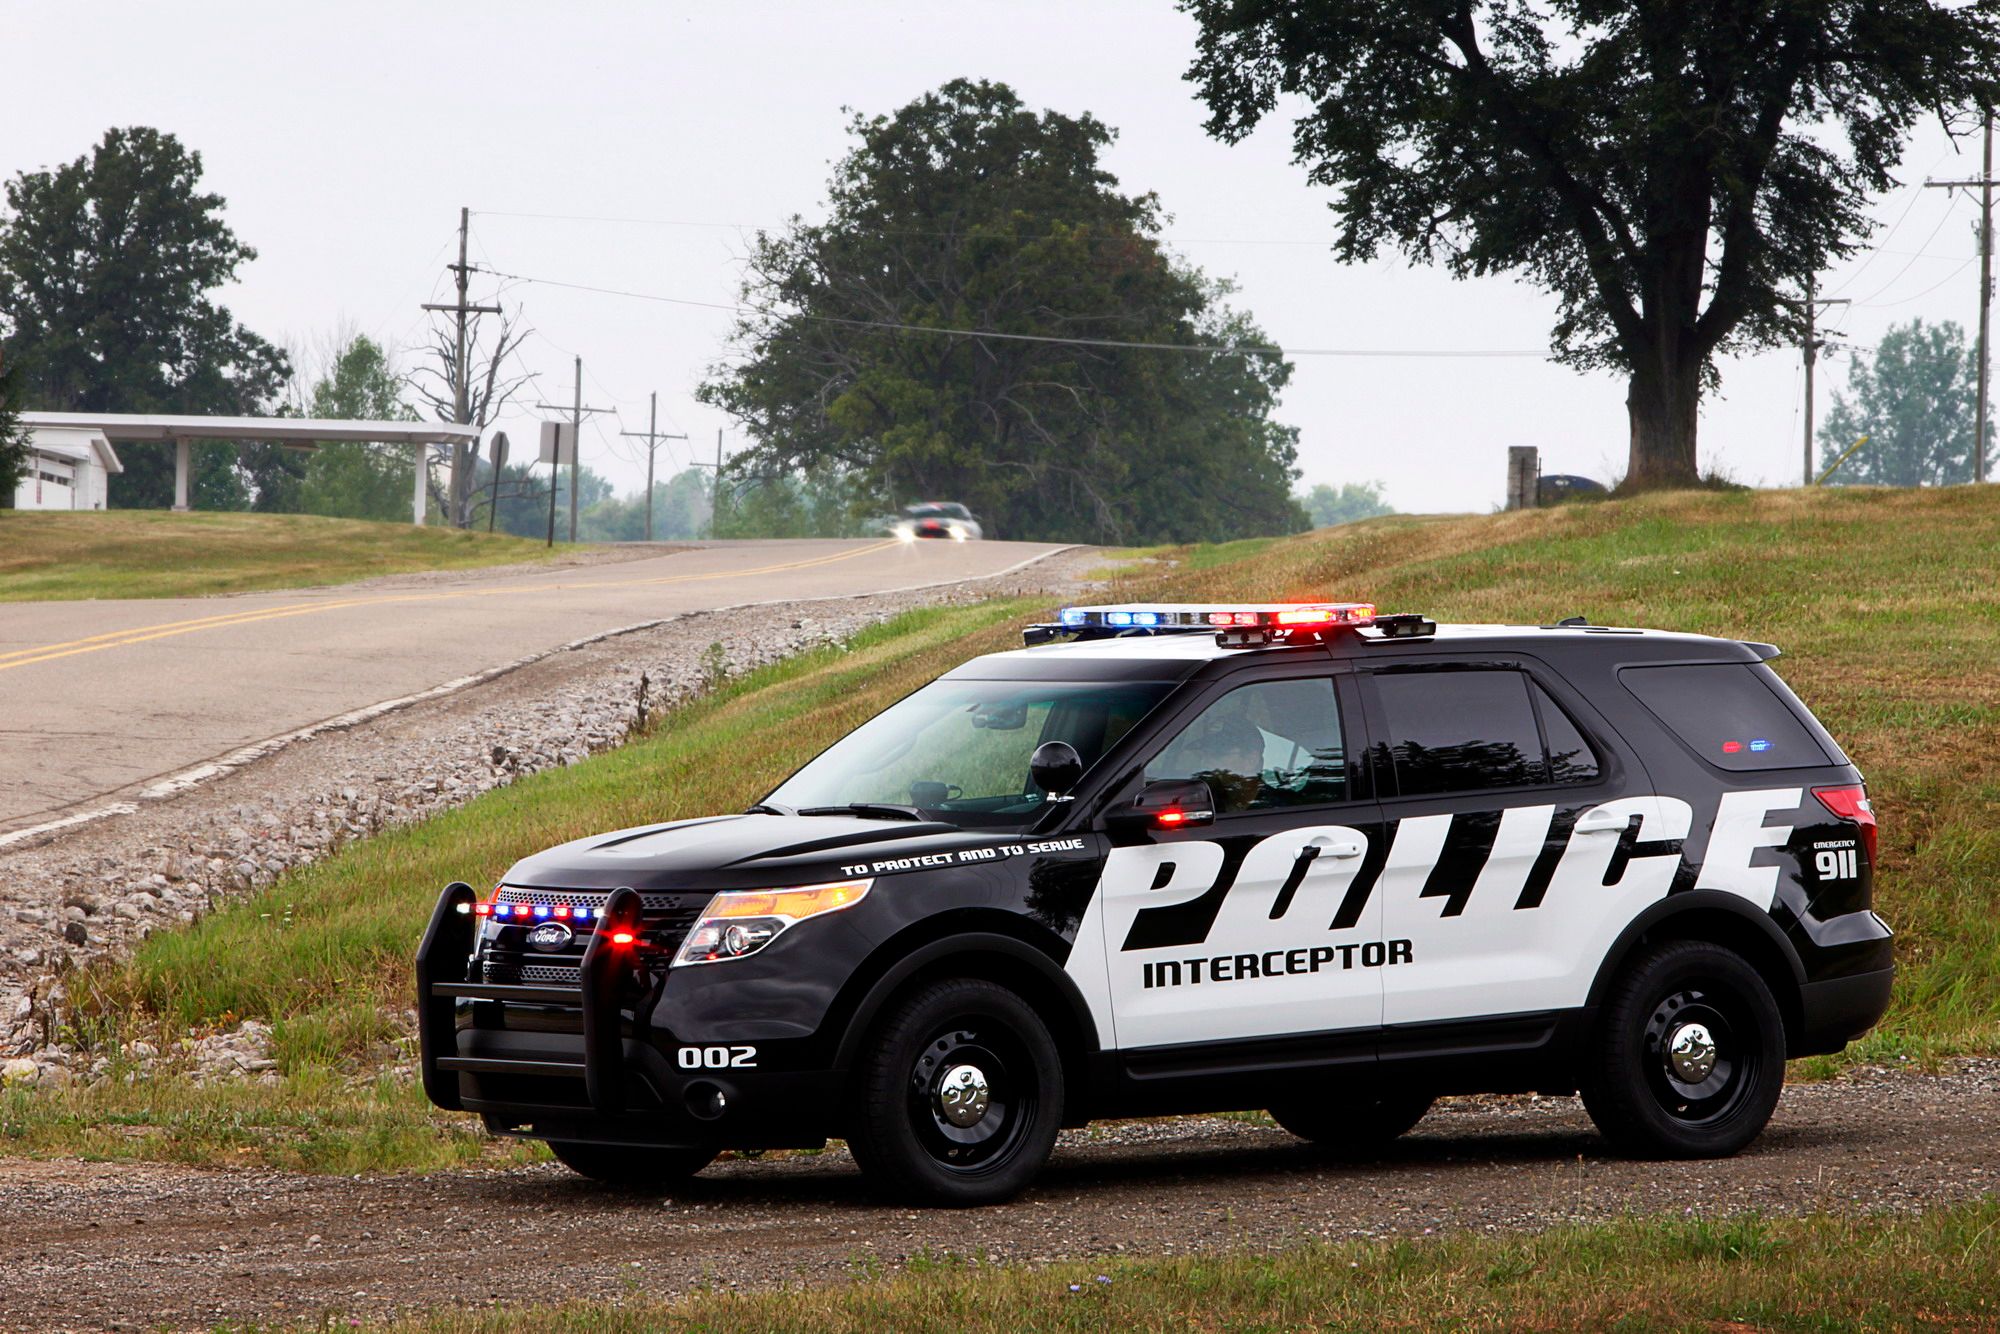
pixel 1601 821
pixel 1343 849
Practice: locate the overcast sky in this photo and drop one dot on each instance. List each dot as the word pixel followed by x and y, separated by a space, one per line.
pixel 346 136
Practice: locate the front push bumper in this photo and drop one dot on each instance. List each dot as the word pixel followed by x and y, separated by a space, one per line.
pixel 581 1063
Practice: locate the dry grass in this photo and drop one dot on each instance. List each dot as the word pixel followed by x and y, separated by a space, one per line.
pixel 155 554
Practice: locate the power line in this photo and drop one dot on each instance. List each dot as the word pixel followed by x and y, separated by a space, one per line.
pixel 1229 349
pixel 1109 237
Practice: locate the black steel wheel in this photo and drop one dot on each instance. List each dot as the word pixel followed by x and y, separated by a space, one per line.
pixel 1688 1057
pixel 1352 1125
pixel 959 1097
pixel 622 1165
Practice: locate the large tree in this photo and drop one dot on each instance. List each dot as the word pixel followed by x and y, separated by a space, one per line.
pixel 349 479
pixel 106 266
pixel 1913 399
pixel 1674 171
pixel 967 212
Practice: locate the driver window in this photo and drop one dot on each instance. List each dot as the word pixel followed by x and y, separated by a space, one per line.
pixel 1272 744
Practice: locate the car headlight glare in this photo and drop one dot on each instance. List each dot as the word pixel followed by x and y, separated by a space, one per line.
pixel 739 923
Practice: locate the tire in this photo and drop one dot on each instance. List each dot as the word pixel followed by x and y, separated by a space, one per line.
pixel 1650 1104
pixel 623 1165
pixel 1353 1126
pixel 900 1122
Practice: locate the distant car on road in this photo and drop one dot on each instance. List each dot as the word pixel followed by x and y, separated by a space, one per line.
pixel 936 519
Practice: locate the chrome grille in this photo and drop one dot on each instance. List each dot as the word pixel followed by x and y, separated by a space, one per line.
pixel 561 975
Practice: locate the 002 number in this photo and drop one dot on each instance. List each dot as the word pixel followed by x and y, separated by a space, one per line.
pixel 716 1058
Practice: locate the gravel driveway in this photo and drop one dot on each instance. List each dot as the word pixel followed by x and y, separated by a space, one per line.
pixel 98 1246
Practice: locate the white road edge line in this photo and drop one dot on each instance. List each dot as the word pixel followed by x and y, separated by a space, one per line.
pixel 209 770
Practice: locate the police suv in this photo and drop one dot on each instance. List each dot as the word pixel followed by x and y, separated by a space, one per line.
pixel 1192 858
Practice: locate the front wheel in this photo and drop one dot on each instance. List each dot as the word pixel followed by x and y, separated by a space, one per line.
pixel 1688 1057
pixel 619 1165
pixel 959 1096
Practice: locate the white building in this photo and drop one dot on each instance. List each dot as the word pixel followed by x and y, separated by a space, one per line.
pixel 69 468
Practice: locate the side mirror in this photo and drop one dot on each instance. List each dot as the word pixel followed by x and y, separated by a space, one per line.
pixel 1056 767
pixel 1170 803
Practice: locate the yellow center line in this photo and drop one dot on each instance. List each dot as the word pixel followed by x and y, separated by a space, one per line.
pixel 141 634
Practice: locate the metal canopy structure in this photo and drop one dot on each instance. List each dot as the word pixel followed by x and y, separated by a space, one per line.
pixel 292 432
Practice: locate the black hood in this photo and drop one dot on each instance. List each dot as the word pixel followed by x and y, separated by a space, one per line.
pixel 738 852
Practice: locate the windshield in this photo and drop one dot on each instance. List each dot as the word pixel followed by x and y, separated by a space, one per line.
pixel 958 750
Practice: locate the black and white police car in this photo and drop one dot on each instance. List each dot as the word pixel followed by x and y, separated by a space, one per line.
pixel 1298 857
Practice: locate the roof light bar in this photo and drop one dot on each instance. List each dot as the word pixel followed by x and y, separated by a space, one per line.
pixel 1255 616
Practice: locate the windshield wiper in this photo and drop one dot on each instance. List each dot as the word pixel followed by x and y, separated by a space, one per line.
pixel 770 808
pixel 879 809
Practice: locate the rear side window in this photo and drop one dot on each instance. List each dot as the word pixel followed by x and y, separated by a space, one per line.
pixel 1461 731
pixel 1728 714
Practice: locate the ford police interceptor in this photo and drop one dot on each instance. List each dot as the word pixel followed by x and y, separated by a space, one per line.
pixel 1188 858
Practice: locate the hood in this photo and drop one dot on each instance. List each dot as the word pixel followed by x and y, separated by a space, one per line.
pixel 738 852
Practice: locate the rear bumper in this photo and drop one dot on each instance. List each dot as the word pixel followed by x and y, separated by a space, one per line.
pixel 1838 1010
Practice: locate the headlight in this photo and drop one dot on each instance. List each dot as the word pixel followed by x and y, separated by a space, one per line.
pixel 906 532
pixel 957 532
pixel 740 923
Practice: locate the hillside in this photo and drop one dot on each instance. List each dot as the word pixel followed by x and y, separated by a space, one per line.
pixel 1887 606
pixel 50 556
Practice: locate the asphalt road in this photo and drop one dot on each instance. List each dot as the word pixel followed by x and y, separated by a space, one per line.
pixel 101 700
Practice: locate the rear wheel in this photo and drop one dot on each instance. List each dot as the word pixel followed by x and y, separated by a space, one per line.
pixel 959 1096
pixel 619 1165
pixel 1688 1058
pixel 1352 1125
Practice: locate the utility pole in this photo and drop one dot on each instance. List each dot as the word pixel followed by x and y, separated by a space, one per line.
pixel 461 373
pixel 1982 409
pixel 652 436
pixel 715 494
pixel 1811 350
pixel 576 411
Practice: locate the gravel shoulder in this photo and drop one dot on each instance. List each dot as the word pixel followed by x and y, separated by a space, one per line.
pixel 94 1246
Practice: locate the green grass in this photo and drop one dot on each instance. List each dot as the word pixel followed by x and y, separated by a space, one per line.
pixel 1888 604
pixel 1823 1272
pixel 154 554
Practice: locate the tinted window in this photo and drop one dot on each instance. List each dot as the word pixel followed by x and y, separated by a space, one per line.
pixel 1571 760
pixel 1457 731
pixel 958 750
pixel 1727 713
pixel 1276 743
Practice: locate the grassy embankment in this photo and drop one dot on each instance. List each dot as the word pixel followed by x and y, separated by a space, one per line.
pixel 1888 605
pixel 1821 1273
pixel 47 556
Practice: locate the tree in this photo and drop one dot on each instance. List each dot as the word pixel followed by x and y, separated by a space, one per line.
pixel 1670 169
pixel 13 436
pixel 105 268
pixel 488 389
pixel 1354 500
pixel 350 479
pixel 1914 401
pixel 966 211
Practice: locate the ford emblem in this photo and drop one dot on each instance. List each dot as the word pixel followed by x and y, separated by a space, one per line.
pixel 551 936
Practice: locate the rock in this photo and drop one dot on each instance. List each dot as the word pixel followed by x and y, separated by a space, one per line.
pixel 19 1071
pixel 83 903
pixel 75 934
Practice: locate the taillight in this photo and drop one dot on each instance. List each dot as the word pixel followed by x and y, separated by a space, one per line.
pixel 1851 803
